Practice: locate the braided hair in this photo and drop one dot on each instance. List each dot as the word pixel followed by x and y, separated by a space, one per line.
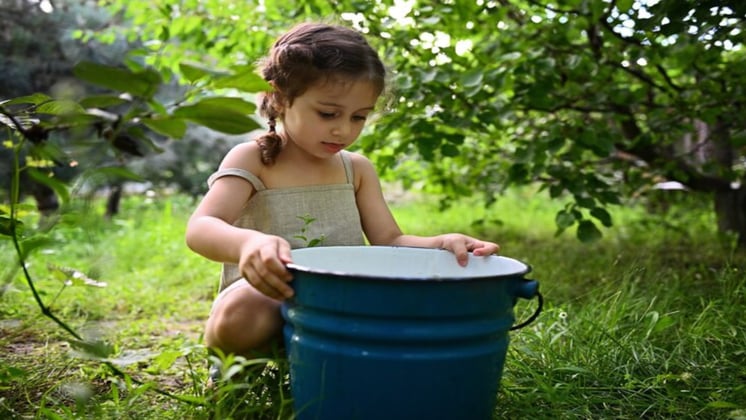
pixel 307 54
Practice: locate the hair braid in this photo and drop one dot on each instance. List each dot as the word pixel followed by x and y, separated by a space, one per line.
pixel 270 142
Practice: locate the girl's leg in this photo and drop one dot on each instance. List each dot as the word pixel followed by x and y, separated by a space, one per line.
pixel 243 321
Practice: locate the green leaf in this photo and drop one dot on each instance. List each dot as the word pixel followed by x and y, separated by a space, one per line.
pixel 722 404
pixel 34 242
pixel 193 72
pixel 59 187
pixel 585 201
pixel 564 219
pixel 167 126
pixel 142 83
pixel 518 172
pixel 60 107
pixel 602 215
pixel 624 5
pixel 428 76
pixel 130 357
pixel 539 94
pixel 315 242
pixel 34 99
pixel 600 145
pixel 246 81
pixel 51 415
pixel 588 232
pixel 165 360
pixel 6 225
pixel 449 150
pixel 556 190
pixel 218 118
pixel 663 323
pixel 97 350
pixel 472 78
pixel 102 101
pixel 235 104
pixel 10 373
pixel 73 277
pixel 456 139
pixel 116 172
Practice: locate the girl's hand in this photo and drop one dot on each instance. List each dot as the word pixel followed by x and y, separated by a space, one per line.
pixel 262 264
pixel 460 245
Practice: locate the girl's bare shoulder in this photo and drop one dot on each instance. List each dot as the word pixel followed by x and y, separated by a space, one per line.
pixel 247 156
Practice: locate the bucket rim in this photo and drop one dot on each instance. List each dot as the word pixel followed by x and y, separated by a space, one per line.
pixel 295 267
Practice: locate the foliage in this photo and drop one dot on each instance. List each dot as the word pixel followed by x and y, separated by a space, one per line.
pixel 126 118
pixel 38 50
pixel 596 100
pixel 307 221
pixel 589 98
pixel 132 106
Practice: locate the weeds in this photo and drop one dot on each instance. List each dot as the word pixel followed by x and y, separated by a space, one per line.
pixel 646 322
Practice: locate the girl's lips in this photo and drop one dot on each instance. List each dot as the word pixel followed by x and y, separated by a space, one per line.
pixel 333 147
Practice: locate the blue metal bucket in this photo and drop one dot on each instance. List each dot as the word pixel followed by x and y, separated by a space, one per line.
pixel 399 333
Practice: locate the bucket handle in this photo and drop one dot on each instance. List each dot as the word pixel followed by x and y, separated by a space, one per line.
pixel 533 316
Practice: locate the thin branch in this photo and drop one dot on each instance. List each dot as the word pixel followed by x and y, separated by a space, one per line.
pixel 556 9
pixel 15 194
pixel 641 76
pixel 46 311
pixel 668 79
pixel 692 177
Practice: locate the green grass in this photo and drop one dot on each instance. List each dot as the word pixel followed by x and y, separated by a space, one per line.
pixel 644 323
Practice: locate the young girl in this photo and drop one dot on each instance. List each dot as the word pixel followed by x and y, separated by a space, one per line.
pixel 297 184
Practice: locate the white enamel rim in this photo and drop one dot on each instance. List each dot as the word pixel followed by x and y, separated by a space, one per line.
pixel 402 263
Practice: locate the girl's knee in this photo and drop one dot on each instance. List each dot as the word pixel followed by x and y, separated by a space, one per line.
pixel 241 323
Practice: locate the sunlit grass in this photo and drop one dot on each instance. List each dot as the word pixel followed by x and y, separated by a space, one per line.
pixel 645 323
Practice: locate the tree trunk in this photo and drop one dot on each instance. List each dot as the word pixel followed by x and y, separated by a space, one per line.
pixel 112 202
pixel 730 208
pixel 730 204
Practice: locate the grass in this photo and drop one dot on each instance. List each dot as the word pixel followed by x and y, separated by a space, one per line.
pixel 644 323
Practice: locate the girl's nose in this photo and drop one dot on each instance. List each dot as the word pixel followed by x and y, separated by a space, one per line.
pixel 341 130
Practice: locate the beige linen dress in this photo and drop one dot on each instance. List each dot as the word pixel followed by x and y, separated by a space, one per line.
pixel 281 212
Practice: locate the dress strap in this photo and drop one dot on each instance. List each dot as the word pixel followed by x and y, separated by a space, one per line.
pixel 348 167
pixel 241 173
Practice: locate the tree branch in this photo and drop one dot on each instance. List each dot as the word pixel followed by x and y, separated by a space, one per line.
pixel 692 177
pixel 641 76
pixel 668 79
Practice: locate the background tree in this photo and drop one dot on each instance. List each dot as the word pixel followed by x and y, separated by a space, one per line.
pixel 41 48
pixel 594 100
pixel 37 54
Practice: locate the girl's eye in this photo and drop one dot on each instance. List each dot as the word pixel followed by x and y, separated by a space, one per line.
pixel 359 117
pixel 327 115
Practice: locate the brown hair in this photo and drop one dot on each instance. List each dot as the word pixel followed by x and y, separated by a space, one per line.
pixel 307 54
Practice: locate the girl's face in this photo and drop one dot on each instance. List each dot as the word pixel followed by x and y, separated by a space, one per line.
pixel 329 117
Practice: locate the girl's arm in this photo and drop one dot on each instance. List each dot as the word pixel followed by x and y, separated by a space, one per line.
pixel 381 228
pixel 210 232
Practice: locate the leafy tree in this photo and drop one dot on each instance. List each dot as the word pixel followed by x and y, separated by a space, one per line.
pixel 595 100
pixel 37 54
pixel 41 47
